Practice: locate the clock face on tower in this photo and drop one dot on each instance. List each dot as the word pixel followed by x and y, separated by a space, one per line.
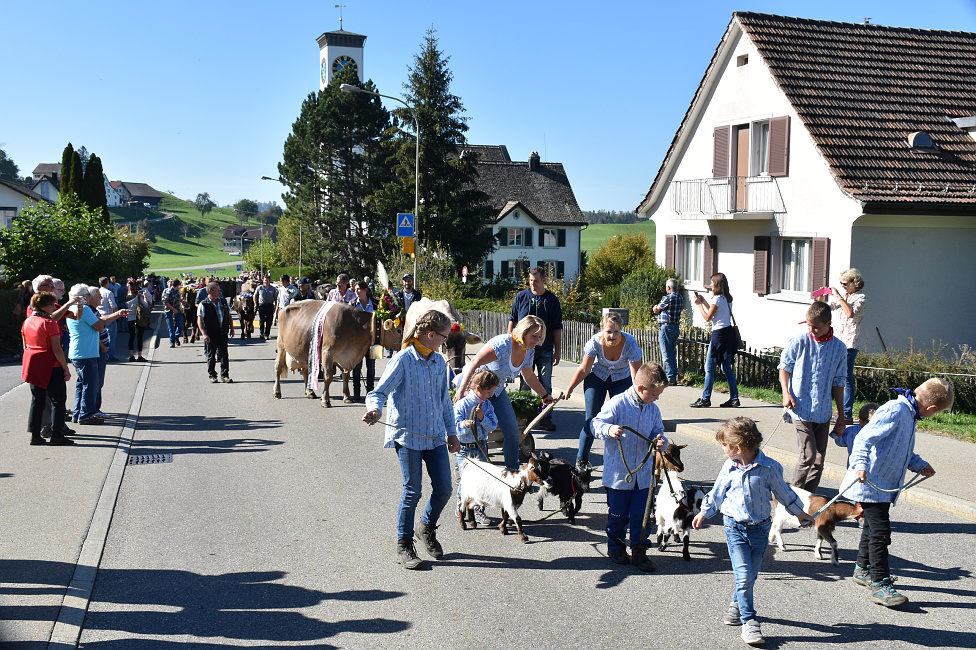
pixel 325 71
pixel 342 62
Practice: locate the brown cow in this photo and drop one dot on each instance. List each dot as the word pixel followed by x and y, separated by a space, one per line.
pixel 188 296
pixel 346 336
pixel 246 310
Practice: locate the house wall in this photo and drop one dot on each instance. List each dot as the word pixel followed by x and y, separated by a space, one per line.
pixel 815 207
pixel 568 254
pixel 11 203
pixel 918 280
pixel 111 195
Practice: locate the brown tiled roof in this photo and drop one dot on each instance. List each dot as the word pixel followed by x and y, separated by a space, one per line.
pixel 20 189
pixel 546 193
pixel 860 90
pixel 141 190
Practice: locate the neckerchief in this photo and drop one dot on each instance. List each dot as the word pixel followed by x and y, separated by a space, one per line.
pixel 826 337
pixel 909 394
pixel 519 342
pixel 613 345
pixel 422 349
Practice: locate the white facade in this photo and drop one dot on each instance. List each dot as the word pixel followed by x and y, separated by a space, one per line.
pixel 11 203
pixel 522 250
pixel 897 256
pixel 337 49
pixel 111 194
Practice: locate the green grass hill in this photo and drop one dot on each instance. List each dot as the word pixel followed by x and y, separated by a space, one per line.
pixel 597 234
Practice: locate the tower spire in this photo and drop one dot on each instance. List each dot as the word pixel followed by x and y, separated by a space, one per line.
pixel 340 7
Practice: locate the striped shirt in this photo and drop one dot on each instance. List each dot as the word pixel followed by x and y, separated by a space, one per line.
pixel 615 370
pixel 884 449
pixel 815 368
pixel 744 492
pixel 462 412
pixel 502 366
pixel 627 409
pixel 419 400
pixel 671 305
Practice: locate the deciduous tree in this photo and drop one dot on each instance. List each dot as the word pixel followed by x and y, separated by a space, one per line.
pixel 8 168
pixel 204 204
pixel 245 209
pixel 615 259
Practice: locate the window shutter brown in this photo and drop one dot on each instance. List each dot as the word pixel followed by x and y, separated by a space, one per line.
pixel 670 241
pixel 760 265
pixel 779 146
pixel 821 262
pixel 711 258
pixel 722 136
pixel 489 269
pixel 505 270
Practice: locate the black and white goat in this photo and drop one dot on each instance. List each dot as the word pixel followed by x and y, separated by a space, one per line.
pixel 674 512
pixel 569 484
pixel 825 522
pixel 485 484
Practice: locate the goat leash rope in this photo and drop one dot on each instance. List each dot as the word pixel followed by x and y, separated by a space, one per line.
pixel 910 483
pixel 629 478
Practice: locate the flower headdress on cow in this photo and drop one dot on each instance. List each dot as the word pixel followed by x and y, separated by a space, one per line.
pixel 388 309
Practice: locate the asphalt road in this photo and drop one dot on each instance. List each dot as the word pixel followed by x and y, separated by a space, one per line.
pixel 274 526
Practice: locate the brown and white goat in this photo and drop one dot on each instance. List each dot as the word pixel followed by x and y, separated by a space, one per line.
pixel 485 484
pixel 825 522
pixel 669 459
pixel 674 511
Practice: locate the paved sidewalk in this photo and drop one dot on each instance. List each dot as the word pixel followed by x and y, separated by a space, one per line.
pixel 951 490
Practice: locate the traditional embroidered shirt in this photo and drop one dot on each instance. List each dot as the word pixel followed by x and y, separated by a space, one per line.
pixel 462 412
pixel 615 370
pixel 627 409
pixel 815 368
pixel 744 492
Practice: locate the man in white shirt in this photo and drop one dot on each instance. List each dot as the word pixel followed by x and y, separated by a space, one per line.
pixel 107 307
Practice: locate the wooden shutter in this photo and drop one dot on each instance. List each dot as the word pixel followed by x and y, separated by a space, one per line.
pixel 560 269
pixel 821 262
pixel 505 271
pixel 561 238
pixel 722 136
pixel 779 146
pixel 670 241
pixel 542 237
pixel 711 258
pixel 543 265
pixel 489 269
pixel 503 236
pixel 760 264
pixel 527 238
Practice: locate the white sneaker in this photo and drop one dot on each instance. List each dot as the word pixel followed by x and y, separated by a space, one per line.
pixel 752 633
pixel 100 414
pixel 480 516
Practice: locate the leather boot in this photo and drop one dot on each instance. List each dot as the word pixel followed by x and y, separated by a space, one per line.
pixel 425 533
pixel 406 555
pixel 640 559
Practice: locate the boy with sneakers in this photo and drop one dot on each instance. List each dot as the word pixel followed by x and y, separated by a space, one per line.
pixel 627 493
pixel 882 451
pixel 475 416
pixel 743 491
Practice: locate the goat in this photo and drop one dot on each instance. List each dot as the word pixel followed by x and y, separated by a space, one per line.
pixel 489 485
pixel 670 458
pixel 568 485
pixel 674 512
pixel 825 522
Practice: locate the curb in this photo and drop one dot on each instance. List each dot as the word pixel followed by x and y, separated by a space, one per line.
pixel 918 495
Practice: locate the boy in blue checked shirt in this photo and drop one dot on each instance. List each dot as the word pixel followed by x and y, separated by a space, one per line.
pixel 474 413
pixel 882 451
pixel 743 490
pixel 812 369
pixel 847 438
pixel 420 429
pixel 634 408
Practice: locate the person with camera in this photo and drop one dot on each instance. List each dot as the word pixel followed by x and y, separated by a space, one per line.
pixel 717 309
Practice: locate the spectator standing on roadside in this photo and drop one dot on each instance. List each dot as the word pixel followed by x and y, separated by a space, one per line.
pixel 848 312
pixel 133 300
pixel 107 306
pixel 366 302
pixel 721 347
pixel 266 298
pixel 286 294
pixel 342 292
pixel 668 317
pixel 45 368
pixel 217 326
pixel 539 301
pixel 118 291
pixel 408 295
pixel 174 312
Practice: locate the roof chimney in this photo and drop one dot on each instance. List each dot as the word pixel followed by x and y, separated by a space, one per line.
pixel 534 161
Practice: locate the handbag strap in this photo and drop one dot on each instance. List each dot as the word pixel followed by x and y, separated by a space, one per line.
pixel 731 315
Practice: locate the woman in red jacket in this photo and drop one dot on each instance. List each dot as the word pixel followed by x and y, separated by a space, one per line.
pixel 45 368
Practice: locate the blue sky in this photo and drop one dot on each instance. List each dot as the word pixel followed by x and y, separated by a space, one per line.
pixel 199 96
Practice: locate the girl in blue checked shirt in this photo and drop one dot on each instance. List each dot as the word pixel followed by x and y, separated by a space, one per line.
pixel 743 491
pixel 420 429
pixel 475 412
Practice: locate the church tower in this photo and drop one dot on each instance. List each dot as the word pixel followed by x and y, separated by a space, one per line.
pixel 336 51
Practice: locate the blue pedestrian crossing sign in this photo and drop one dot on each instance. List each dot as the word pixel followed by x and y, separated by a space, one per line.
pixel 404 225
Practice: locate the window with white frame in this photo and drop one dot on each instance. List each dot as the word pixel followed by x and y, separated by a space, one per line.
pixel 515 236
pixel 761 163
pixel 518 268
pixel 692 251
pixel 7 216
pixel 549 237
pixel 795 268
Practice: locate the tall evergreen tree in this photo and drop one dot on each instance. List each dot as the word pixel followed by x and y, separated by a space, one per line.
pixel 75 179
pixel 8 168
pixel 64 176
pixel 335 161
pixel 453 214
pixel 94 187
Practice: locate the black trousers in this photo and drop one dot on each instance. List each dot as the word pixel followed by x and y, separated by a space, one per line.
pixel 266 315
pixel 370 375
pixel 57 392
pixel 218 349
pixel 875 539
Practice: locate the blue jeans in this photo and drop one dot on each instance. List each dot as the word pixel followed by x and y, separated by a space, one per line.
pixel 175 323
pixel 849 385
pixel 626 510
pixel 595 392
pixel 102 364
pixel 467 452
pixel 508 424
pixel 112 329
pixel 747 545
pixel 710 362
pixel 86 387
pixel 439 471
pixel 668 340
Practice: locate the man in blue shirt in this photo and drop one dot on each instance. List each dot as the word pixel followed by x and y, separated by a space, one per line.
pixel 539 301
pixel 669 316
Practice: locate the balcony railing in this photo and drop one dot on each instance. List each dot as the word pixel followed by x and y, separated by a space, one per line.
pixel 728 195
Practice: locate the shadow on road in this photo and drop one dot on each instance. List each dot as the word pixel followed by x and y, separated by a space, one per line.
pixel 243 606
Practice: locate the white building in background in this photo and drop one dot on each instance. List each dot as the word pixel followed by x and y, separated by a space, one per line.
pixel 795 161
pixel 14 197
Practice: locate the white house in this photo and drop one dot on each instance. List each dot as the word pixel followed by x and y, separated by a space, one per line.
pixel 14 198
pixel 111 194
pixel 537 220
pixel 811 147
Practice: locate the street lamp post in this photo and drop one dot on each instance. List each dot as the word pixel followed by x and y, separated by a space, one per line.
pixel 349 88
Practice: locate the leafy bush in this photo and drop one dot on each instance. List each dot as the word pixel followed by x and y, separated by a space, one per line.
pixel 912 367
pixel 483 304
pixel 615 259
pixel 641 289
pixel 525 403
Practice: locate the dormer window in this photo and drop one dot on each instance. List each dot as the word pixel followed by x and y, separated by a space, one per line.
pixel 921 141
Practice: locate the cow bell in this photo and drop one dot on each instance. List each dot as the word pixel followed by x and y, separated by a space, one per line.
pixel 376 351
